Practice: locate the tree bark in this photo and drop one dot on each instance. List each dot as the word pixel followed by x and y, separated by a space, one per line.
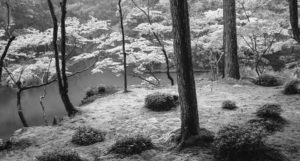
pixel 20 109
pixel 293 7
pixel 11 39
pixel 62 78
pixel 123 45
pixel 185 75
pixel 230 40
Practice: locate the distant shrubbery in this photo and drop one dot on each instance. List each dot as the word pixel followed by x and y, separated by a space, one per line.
pixel 87 136
pixel 230 105
pixel 96 92
pixel 244 143
pixel 292 87
pixel 161 101
pixel 59 155
pixel 268 80
pixel 132 145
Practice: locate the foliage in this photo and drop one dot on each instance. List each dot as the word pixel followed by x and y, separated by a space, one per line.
pixel 230 105
pixel 59 155
pixel 270 125
pixel 292 87
pixel 244 142
pixel 87 136
pixel 269 110
pixel 160 101
pixel 132 145
pixel 268 80
pixel 97 92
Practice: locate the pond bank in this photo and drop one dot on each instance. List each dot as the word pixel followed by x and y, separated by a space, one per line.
pixel 123 114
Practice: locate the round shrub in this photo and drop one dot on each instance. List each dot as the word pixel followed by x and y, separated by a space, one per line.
pixel 269 110
pixel 95 91
pixel 132 145
pixel 229 105
pixel 59 155
pixel 238 143
pixel 161 101
pixel 87 136
pixel 268 80
pixel 270 125
pixel 292 87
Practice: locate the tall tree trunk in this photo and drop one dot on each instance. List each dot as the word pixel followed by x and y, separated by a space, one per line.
pixel 293 6
pixel 123 45
pixel 61 73
pixel 230 40
pixel 185 74
pixel 20 109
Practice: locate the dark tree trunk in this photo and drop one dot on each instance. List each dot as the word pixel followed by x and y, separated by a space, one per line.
pixel 123 45
pixel 20 109
pixel 62 78
pixel 11 39
pixel 293 5
pixel 186 83
pixel 230 40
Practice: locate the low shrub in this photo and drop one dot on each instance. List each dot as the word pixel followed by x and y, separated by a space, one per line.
pixel 270 125
pixel 269 110
pixel 229 105
pixel 268 80
pixel 132 145
pixel 96 92
pixel 244 143
pixel 59 155
pixel 292 87
pixel 14 144
pixel 87 136
pixel 161 101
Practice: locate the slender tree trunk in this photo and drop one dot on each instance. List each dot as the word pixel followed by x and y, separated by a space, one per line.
pixel 230 40
pixel 20 109
pixel 123 45
pixel 11 39
pixel 293 7
pixel 61 73
pixel 186 83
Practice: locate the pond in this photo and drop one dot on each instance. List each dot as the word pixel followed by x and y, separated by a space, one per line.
pixel 9 119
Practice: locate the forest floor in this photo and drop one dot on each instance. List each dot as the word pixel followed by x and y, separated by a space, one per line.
pixel 122 114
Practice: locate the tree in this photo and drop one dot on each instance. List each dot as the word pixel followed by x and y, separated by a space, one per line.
pixel 147 14
pixel 11 38
pixel 230 40
pixel 123 46
pixel 186 83
pixel 62 78
pixel 293 7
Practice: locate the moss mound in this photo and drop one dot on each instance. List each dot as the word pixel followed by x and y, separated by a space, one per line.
pixel 268 80
pixel 97 92
pixel 269 110
pixel 87 136
pixel 59 155
pixel 229 105
pixel 132 145
pixel 244 143
pixel 292 87
pixel 161 101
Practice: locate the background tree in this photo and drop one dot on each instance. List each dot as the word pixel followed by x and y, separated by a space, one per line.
pixel 123 45
pixel 11 38
pixel 186 83
pixel 230 40
pixel 61 65
pixel 293 8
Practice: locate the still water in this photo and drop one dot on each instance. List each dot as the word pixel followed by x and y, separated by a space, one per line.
pixel 9 120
